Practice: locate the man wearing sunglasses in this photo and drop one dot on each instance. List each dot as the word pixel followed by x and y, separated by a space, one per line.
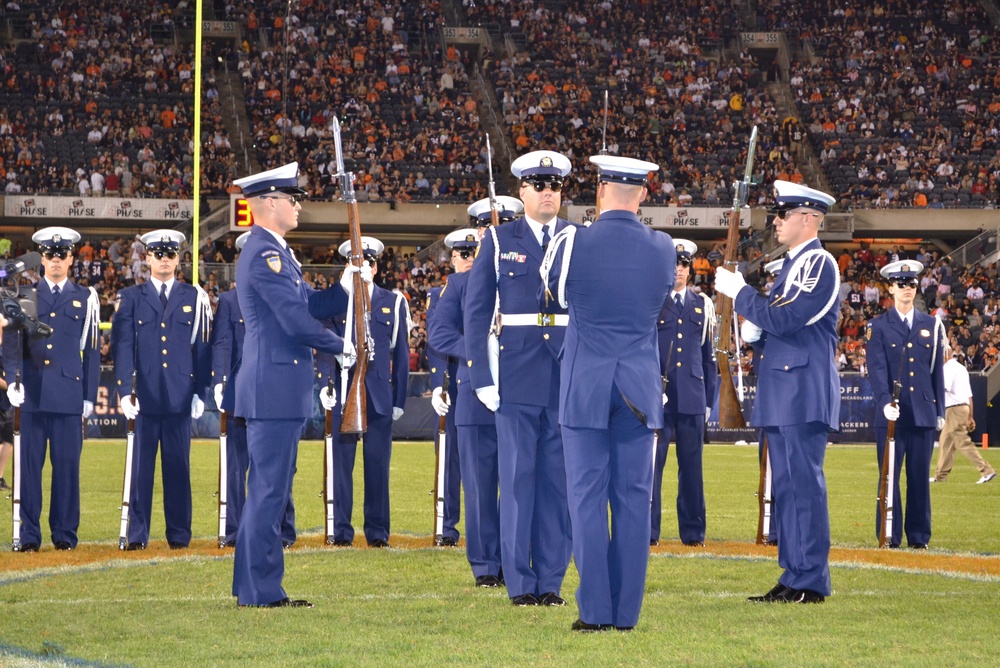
pixel 687 360
pixel 615 276
pixel 476 424
pixel 161 331
pixel 798 389
pixel 59 379
pixel 502 295
pixel 906 345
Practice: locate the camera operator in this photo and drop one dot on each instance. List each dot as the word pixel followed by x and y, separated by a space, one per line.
pixel 57 386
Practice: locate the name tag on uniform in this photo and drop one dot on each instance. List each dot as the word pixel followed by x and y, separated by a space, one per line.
pixel 77 304
pixel 386 309
pixel 697 310
pixel 925 332
pixel 187 309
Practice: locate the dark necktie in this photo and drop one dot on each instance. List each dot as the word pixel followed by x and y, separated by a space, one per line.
pixel 163 295
pixel 545 237
pixel 678 302
pixel 55 290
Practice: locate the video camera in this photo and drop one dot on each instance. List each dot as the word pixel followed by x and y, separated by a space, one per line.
pixel 20 304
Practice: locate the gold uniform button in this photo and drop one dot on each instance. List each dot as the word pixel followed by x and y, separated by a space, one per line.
pixel 164 351
pixel 786 367
pixel 163 338
pixel 48 347
pixel 909 345
pixel 163 325
pixel 680 321
pixel 295 361
pixel 545 336
pixel 679 364
pixel 911 359
pixel 911 389
pixel 679 335
pixel 911 374
pixel 52 315
pixel 501 347
pixel 164 365
pixel 47 362
pixel 662 322
pixel 680 350
pixel 511 274
pixel 469 362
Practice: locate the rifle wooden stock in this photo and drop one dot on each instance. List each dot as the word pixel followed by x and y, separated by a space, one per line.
pixel 355 416
pixel 730 410
pixel 886 511
pixel 764 513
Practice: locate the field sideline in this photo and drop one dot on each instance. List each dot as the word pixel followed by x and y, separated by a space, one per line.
pixel 417 604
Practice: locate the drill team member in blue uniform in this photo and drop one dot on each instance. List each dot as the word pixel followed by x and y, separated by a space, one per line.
pixel 614 276
pixel 274 386
pixel 502 286
pixel 439 364
pixel 687 359
pixel 228 332
pixel 161 331
pixel 906 345
pixel 59 379
pixel 385 386
pixel 798 389
pixel 477 435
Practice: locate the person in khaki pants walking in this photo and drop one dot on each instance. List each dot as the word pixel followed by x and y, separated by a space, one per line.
pixel 958 421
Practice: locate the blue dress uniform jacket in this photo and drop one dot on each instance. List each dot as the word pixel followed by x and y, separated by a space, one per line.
pixel 170 369
pixel 386 383
pixel 535 531
pixel 56 380
pixel 438 364
pixel 687 358
pixel 274 392
pixel 610 401
pixel 915 357
pixel 798 403
pixel 477 435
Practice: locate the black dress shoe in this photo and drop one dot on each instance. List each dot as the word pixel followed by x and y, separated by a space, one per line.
pixel 63 545
pixel 551 598
pixel 524 600
pixel 230 543
pixel 803 596
pixel 580 625
pixel 448 541
pixel 378 542
pixel 918 546
pixel 28 547
pixel 285 544
pixel 488 581
pixel 653 542
pixel 135 546
pixel 893 546
pixel 283 603
pixel 624 629
pixel 772 543
pixel 772 596
pixel 342 543
pixel 694 543
pixel 174 545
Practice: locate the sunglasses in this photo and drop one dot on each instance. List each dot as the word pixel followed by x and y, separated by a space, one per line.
pixel 906 283
pixel 684 262
pixel 294 199
pixel 540 184
pixel 61 254
pixel 466 254
pixel 160 254
pixel 785 213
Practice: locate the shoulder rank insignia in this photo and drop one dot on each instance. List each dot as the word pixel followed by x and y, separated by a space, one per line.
pixel 77 304
pixel 274 262
pixel 187 309
pixel 868 332
pixel 386 309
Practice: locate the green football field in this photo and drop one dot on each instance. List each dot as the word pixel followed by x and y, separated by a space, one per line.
pixel 417 605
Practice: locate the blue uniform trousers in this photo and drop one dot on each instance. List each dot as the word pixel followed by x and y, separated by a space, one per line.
pixel 377 451
pixel 688 432
pixel 797 454
pixel 477 445
pixel 63 434
pixel 452 476
pixel 535 537
pixel 173 432
pixel 915 448
pixel 610 466
pixel 238 459
pixel 259 563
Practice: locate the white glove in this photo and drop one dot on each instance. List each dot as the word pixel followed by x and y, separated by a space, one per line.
pixel 129 409
pixel 347 279
pixel 367 275
pixel 890 412
pixel 347 358
pixel 327 400
pixel 940 423
pixel 664 398
pixel 439 402
pixel 397 413
pixel 15 393
pixel 728 282
pixel 197 407
pixel 490 396
pixel 708 414
pixel 750 332
pixel 88 409
pixel 217 390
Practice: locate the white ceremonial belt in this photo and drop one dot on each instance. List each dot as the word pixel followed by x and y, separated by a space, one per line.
pixel 534 319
